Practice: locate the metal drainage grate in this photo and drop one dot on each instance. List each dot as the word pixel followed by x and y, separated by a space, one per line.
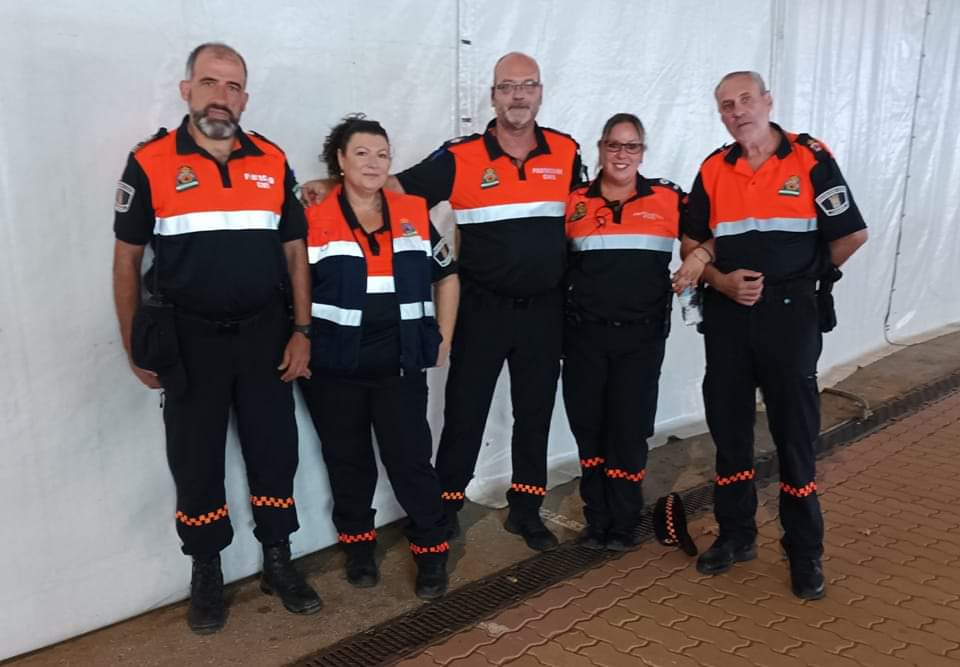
pixel 399 637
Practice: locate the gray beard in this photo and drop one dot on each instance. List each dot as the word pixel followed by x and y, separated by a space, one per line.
pixel 215 129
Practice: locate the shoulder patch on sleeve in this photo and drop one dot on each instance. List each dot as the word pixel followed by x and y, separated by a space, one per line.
pixel 664 182
pixel 124 197
pixel 817 148
pixel 562 134
pixel 162 132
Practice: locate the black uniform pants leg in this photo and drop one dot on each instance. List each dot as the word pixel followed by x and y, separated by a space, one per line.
pixel 342 414
pixel 534 363
pixel 267 426
pixel 729 396
pixel 585 371
pixel 399 408
pixel 631 398
pixel 479 348
pixel 196 429
pixel 788 379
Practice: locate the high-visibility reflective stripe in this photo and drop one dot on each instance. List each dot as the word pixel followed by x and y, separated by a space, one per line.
pixel 214 221
pixel 623 242
pixel 347 317
pixel 414 311
pixel 534 209
pixel 334 249
pixel 734 227
pixel 380 285
pixel 407 243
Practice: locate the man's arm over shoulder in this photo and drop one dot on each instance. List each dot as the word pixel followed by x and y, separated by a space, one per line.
pixel 431 178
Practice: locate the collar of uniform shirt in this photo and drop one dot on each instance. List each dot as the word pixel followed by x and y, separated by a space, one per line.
pixel 783 149
pixel 493 146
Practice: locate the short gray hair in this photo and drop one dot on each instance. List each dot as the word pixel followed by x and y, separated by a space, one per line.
pixel 754 76
pixel 220 50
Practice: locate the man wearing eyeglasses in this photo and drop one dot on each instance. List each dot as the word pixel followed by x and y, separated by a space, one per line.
pixel 508 188
pixel 782 218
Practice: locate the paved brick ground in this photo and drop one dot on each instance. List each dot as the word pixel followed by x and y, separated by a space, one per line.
pixel 893 568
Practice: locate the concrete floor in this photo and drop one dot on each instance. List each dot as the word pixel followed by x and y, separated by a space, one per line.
pixel 261 632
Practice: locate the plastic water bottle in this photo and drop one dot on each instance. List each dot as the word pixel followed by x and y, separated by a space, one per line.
pixel 689 300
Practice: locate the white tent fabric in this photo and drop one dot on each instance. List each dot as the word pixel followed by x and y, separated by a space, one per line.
pixel 87 500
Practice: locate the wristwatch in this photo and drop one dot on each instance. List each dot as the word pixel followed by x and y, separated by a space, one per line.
pixel 304 329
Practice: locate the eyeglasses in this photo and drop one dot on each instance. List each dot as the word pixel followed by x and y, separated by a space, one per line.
pixel 508 87
pixel 633 147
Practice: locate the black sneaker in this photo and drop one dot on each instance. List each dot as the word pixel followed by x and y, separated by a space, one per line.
pixel 280 577
pixel 724 552
pixel 530 527
pixel 621 540
pixel 208 612
pixel 432 577
pixel 806 578
pixel 591 538
pixel 362 571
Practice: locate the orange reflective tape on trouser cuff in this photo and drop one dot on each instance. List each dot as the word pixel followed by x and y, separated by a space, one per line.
pixel 203 519
pixel 451 495
pixel 592 463
pixel 616 473
pixel 529 488
pixel 799 492
pixel 443 547
pixel 368 536
pixel 742 476
pixel 269 501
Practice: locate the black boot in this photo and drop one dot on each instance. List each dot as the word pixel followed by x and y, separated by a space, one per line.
pixel 806 578
pixel 530 526
pixel 361 567
pixel 431 576
pixel 207 613
pixel 724 552
pixel 281 577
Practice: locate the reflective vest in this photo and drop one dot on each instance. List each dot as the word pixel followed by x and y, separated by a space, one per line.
pixel 341 281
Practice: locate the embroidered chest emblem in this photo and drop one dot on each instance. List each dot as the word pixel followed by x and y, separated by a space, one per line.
pixel 407 229
pixel 791 187
pixel 489 178
pixel 263 181
pixel 579 211
pixel 186 178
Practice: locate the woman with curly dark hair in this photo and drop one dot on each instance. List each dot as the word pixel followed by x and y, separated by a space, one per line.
pixel 374 257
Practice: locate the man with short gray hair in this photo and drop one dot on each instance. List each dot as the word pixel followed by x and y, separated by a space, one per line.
pixel 775 212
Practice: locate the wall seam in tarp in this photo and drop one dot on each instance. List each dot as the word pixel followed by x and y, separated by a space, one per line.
pixel 906 181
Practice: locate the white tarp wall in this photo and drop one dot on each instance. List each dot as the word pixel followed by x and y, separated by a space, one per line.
pixel 87 502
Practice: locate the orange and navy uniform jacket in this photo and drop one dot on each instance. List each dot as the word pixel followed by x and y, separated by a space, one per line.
pixel 357 276
pixel 218 229
pixel 510 216
pixel 778 219
pixel 620 251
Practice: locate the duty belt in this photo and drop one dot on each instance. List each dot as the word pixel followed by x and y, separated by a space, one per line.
pixel 226 325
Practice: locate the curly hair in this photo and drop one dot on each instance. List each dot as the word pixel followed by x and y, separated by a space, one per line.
pixel 339 137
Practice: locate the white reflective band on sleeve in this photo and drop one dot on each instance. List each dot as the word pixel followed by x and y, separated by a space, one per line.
pixel 534 209
pixel 380 285
pixel 414 311
pixel 623 242
pixel 407 243
pixel 214 221
pixel 347 317
pixel 334 249
pixel 735 227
